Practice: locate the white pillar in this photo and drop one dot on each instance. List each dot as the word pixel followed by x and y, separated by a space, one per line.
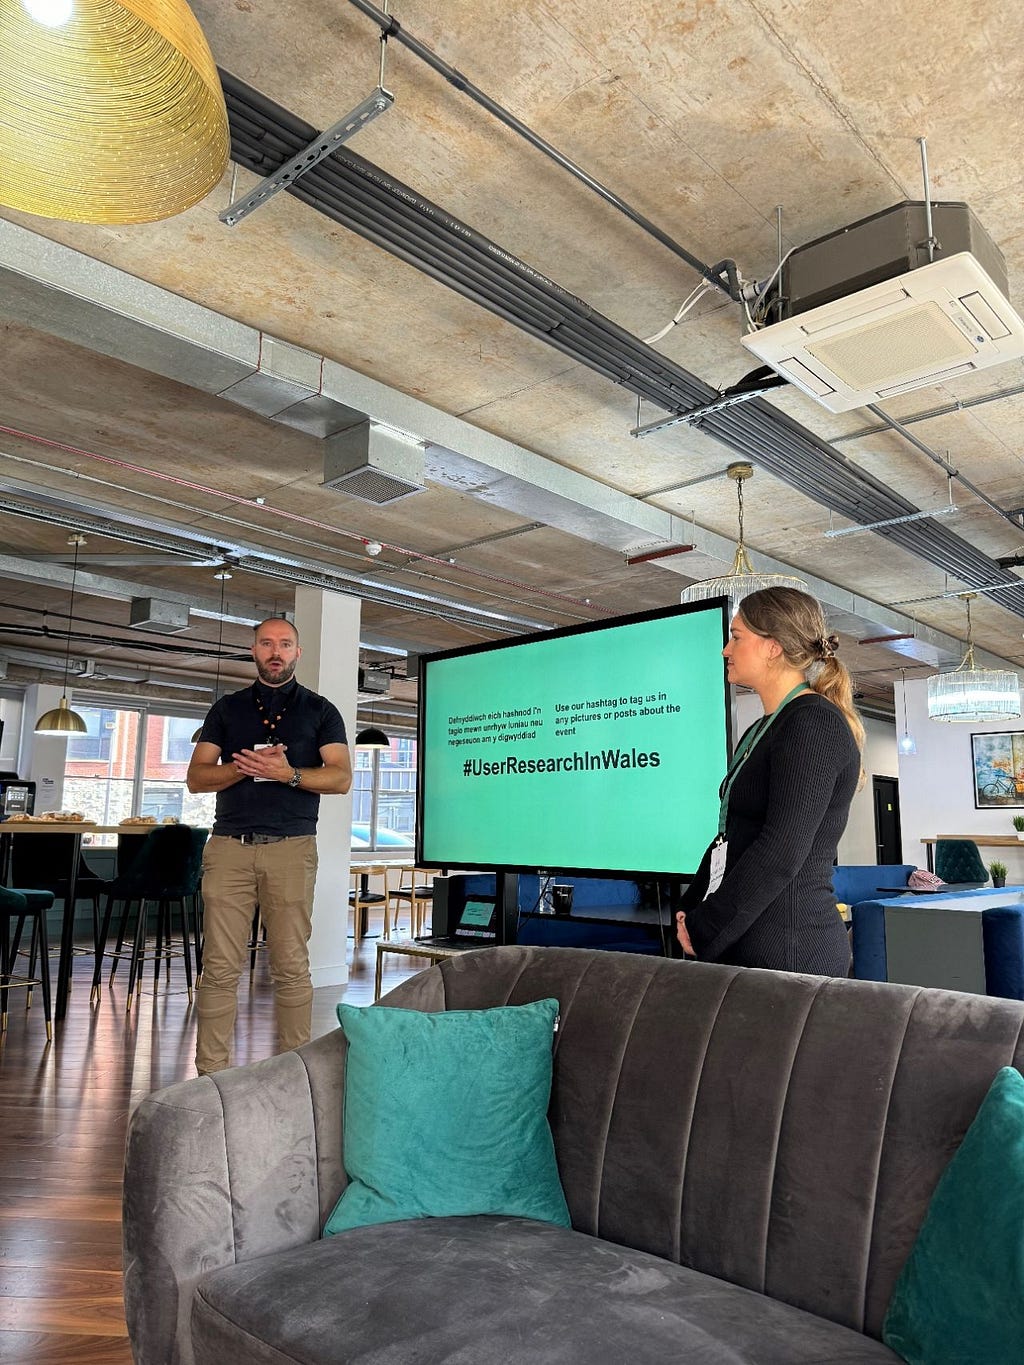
pixel 41 758
pixel 328 626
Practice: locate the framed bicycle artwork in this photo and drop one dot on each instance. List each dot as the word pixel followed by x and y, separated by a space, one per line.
pixel 998 764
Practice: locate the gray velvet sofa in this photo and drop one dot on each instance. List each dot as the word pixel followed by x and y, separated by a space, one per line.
pixel 746 1155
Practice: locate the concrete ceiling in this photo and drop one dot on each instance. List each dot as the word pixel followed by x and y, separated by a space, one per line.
pixel 117 415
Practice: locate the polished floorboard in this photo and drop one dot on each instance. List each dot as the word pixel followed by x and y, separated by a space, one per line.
pixel 64 1109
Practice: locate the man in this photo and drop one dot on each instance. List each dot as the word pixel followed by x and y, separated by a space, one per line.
pixel 269 752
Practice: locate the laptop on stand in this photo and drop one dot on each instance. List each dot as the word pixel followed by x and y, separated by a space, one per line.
pixel 476 927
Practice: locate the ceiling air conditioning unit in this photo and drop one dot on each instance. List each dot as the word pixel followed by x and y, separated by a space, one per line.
pixel 868 316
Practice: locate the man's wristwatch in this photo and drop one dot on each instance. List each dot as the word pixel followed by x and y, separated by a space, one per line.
pixel 295 778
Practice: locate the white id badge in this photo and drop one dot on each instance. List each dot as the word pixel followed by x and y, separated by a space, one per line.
pixel 716 871
pixel 267 779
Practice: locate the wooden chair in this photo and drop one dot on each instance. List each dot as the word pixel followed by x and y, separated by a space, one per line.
pixel 362 899
pixel 414 887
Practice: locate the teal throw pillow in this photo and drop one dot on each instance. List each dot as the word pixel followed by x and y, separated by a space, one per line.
pixel 446 1114
pixel 960 1297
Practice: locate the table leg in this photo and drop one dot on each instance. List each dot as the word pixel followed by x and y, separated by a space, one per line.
pixel 364 912
pixel 67 933
pixel 928 852
pixel 378 973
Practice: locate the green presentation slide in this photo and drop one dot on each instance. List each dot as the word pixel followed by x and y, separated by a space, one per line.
pixel 599 750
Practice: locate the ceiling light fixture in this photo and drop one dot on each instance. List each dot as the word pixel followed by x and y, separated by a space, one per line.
pixel 973 694
pixel 907 744
pixel 372 737
pixel 109 113
pixel 62 720
pixel 742 579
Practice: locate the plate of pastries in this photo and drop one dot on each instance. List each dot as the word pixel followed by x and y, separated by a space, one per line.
pixel 50 817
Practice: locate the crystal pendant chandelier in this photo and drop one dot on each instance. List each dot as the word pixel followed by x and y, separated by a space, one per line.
pixel 741 580
pixel 111 111
pixel 973 694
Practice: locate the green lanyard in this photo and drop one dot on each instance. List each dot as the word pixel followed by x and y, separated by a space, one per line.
pixel 744 748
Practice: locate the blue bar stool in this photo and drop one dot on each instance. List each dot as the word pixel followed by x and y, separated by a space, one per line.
pixel 22 904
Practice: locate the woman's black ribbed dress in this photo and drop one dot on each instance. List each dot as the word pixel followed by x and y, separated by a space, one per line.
pixel 787 810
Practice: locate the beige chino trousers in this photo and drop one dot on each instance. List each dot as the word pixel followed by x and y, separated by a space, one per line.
pixel 237 877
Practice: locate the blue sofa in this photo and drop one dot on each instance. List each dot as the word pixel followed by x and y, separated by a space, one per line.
pixel 855 882
pixel 560 931
pixel 1002 934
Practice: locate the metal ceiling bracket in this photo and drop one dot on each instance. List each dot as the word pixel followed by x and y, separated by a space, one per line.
pixel 321 147
pixel 696 415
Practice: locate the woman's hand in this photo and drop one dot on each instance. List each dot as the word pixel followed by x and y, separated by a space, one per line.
pixel 682 935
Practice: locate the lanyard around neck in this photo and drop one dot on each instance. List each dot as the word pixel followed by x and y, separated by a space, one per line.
pixel 270 722
pixel 745 747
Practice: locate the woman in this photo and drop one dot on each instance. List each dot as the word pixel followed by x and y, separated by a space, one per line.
pixel 762 896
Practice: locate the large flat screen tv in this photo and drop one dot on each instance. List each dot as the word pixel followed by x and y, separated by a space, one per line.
pixel 597 749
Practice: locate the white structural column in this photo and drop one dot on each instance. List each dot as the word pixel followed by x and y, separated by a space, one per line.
pixel 328 626
pixel 43 756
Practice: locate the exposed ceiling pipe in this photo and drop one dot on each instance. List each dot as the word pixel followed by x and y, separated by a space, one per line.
pixel 55 289
pixel 96 671
pixel 929 415
pixel 944 465
pixel 100 521
pixel 391 28
pixel 282 514
pixel 352 191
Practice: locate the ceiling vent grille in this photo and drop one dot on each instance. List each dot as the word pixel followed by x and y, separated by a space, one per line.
pixel 373 463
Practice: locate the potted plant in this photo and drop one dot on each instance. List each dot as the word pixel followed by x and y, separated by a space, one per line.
pixel 998 873
pixel 1018 824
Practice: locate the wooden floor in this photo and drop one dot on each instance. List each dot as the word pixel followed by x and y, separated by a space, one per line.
pixel 64 1109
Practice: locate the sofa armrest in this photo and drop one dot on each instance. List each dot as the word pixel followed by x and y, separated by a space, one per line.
pixel 222 1169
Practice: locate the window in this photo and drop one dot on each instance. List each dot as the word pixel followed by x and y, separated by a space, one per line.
pixel 10 730
pixel 133 762
pixel 177 739
pixel 384 796
pixel 95 745
pixel 99 771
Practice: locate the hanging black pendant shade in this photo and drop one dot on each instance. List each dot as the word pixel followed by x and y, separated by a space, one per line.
pixel 372 738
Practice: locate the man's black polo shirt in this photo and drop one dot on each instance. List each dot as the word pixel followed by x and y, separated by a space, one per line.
pixel 305 722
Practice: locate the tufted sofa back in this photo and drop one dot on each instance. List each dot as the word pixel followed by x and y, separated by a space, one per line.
pixel 778 1131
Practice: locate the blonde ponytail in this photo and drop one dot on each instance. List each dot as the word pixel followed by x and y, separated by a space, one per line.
pixel 796 622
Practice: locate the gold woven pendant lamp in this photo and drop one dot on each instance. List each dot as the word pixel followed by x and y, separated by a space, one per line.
pixel 111 111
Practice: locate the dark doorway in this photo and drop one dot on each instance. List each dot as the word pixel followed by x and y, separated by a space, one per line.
pixel 888 838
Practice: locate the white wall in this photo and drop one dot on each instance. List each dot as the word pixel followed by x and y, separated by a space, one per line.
pixel 858 845
pixel 937 786
pixel 880 758
pixel 328 623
